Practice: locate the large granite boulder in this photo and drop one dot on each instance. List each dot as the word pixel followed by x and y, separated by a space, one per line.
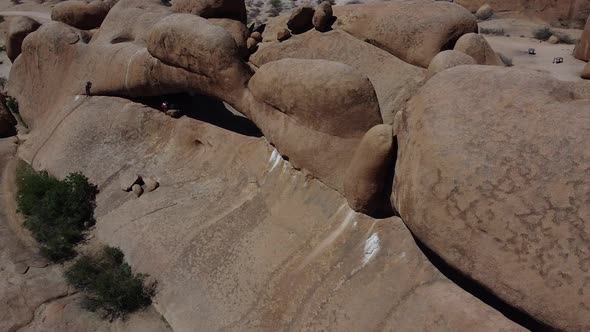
pixel 378 65
pixel 369 172
pixel 492 175
pixel 240 240
pixel 476 46
pixel 582 50
pixel 318 116
pixel 233 9
pixel 448 59
pixel 326 96
pixel 81 14
pixel 414 31
pixel 18 28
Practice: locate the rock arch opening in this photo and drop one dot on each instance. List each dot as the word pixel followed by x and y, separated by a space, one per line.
pixel 203 108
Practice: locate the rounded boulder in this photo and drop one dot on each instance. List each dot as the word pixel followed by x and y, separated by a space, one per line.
pixel 233 9
pixel 366 177
pixel 327 96
pixel 81 14
pixel 484 12
pixel 476 46
pixel 18 29
pixel 448 59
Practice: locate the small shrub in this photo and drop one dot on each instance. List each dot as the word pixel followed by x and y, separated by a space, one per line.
pixel 109 284
pixel 56 212
pixel 565 38
pixel 542 33
pixel 492 31
pixel 11 103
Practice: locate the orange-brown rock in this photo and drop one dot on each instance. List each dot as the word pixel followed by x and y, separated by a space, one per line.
pixel 582 50
pixel 484 12
pixel 414 31
pixel 237 30
pixel 85 15
pixel 317 132
pixel 378 65
pixel 18 28
pixel 366 179
pixel 234 9
pixel 241 244
pixel 476 46
pixel 283 35
pixel 448 59
pixel 486 179
pixel 323 18
pixel 347 106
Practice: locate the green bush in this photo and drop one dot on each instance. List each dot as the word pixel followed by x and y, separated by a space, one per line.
pixel 542 33
pixel 492 31
pixel 57 212
pixel 109 284
pixel 12 104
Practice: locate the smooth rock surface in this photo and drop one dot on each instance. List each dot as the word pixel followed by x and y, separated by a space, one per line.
pixel 233 9
pixel 366 181
pixel 18 29
pixel 582 50
pixel 414 31
pixel 378 65
pixel 476 46
pixel 486 179
pixel 448 59
pixel 85 15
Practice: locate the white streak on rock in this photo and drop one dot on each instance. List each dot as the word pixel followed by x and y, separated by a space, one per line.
pixel 372 246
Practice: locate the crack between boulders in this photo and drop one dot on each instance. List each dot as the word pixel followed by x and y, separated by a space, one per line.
pixel 481 292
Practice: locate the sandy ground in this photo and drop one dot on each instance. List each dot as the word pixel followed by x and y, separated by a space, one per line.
pixel 517 39
pixel 517 49
pixel 523 27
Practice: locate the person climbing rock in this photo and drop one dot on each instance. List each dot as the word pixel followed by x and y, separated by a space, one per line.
pixel 88 87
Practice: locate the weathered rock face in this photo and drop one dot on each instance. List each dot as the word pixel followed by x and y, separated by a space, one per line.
pixel 18 29
pixel 80 14
pixel 555 12
pixel 317 132
pixel 301 19
pixel 190 42
pixel 367 176
pixel 234 9
pixel 346 107
pixel 486 179
pixel 476 46
pixel 448 59
pixel 345 260
pixel 378 65
pixel 323 18
pixel 484 12
pixel 237 30
pixel 414 31
pixel 582 50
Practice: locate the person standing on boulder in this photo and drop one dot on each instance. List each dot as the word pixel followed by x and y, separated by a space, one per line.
pixel 88 87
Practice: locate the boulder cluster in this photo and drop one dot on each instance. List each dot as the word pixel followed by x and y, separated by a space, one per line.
pixel 397 108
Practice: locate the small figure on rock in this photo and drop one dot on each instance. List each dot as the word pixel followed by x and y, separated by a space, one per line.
pixel 88 87
pixel 164 106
